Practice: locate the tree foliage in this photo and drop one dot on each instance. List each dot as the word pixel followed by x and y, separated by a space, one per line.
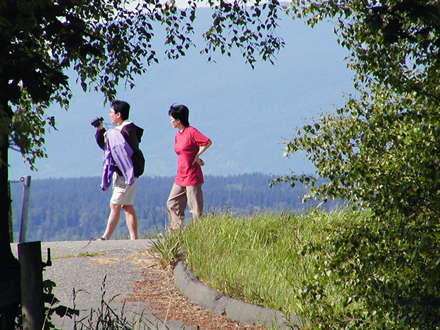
pixel 387 270
pixel 395 115
pixel 393 42
pixel 381 152
pixel 107 43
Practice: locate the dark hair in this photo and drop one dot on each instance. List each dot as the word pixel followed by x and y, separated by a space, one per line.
pixel 122 107
pixel 180 112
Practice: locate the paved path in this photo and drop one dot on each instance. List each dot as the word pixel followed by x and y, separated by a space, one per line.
pixel 81 282
pixel 85 272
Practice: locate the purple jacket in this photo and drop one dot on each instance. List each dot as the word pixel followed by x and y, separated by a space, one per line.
pixel 117 155
pixel 132 134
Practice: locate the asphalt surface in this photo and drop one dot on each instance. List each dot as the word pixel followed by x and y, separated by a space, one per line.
pixel 83 283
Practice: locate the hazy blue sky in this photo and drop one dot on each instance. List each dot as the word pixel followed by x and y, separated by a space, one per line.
pixel 247 113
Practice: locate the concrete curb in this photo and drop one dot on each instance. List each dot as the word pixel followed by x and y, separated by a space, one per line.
pixel 190 286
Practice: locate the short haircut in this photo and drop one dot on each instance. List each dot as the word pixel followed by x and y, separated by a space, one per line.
pixel 122 107
pixel 180 112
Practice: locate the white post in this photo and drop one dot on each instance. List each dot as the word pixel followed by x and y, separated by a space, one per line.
pixel 25 208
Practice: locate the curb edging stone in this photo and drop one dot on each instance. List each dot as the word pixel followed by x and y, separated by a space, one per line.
pixel 190 286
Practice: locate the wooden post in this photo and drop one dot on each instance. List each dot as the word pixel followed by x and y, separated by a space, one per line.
pixel 32 300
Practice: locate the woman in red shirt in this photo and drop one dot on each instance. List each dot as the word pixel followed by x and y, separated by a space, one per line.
pixel 189 144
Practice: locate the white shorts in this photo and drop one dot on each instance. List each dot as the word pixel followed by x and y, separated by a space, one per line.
pixel 123 194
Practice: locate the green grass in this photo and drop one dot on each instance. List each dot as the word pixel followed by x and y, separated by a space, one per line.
pixel 261 259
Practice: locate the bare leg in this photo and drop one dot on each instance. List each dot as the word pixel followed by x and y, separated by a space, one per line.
pixel 131 219
pixel 113 219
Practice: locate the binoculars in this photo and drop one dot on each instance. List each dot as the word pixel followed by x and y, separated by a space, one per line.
pixel 97 121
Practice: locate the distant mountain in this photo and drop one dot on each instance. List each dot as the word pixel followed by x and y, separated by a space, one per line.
pixel 76 208
pixel 245 112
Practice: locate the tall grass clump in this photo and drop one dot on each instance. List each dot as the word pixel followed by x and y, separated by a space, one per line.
pixel 266 259
pixel 168 248
pixel 107 318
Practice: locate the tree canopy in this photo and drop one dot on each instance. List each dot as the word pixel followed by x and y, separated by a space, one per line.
pixel 387 134
pixel 107 43
pixel 380 152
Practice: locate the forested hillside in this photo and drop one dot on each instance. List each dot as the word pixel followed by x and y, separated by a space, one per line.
pixel 76 209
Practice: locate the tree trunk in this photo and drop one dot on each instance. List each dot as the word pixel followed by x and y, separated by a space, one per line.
pixel 9 266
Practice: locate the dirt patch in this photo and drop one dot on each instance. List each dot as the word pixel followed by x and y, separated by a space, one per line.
pixel 158 289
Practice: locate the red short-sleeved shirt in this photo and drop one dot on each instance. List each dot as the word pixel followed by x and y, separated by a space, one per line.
pixel 186 146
